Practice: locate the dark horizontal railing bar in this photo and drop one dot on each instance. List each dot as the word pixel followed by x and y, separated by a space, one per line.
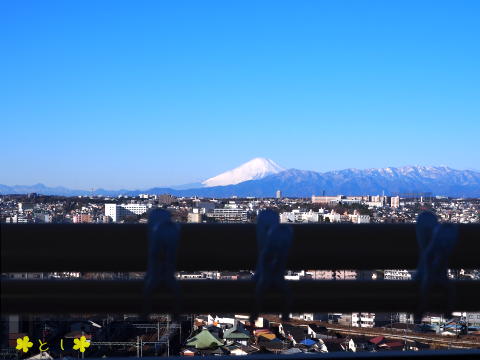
pixel 123 247
pixel 382 355
pixel 210 296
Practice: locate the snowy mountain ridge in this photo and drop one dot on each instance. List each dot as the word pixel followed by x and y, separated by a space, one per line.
pixel 262 178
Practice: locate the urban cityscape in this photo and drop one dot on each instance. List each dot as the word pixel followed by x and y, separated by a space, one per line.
pixel 268 179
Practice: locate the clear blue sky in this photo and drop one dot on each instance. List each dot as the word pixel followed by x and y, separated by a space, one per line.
pixel 134 94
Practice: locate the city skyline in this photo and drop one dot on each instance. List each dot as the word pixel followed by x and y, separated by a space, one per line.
pixel 116 95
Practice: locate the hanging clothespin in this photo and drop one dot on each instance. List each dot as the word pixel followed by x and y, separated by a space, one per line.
pixel 274 241
pixel 163 239
pixel 436 242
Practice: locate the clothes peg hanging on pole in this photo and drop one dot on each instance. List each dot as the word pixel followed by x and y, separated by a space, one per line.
pixel 436 242
pixel 273 241
pixel 163 240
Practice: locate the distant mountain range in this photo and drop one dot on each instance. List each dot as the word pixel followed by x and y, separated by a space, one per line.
pixel 262 177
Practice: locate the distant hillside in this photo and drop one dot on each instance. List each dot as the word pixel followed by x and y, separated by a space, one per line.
pixel 301 183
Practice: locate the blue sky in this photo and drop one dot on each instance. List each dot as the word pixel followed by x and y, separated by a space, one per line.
pixel 134 94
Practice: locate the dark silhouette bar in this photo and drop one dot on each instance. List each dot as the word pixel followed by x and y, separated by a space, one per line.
pixel 216 296
pixel 123 247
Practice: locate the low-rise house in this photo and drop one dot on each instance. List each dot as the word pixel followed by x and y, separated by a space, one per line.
pixel 303 316
pixel 376 340
pixel 237 333
pixel 291 351
pixel 274 346
pixel 342 344
pixel 43 355
pixel 188 352
pixel 204 340
pixel 391 345
pixel 320 346
pixel 473 319
pixel 314 331
pixel 294 333
pixel 215 330
pixel 357 319
pixel 260 322
pixel 265 333
pixel 225 320
pixel 239 349
pixel 228 275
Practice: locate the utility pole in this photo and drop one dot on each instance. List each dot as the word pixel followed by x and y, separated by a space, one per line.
pixel 138 346
pixel 391 323
pixel 168 336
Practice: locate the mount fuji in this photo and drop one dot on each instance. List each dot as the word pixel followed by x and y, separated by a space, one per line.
pixel 254 169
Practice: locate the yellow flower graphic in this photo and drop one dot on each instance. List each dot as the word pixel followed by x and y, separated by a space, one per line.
pixel 24 344
pixel 81 344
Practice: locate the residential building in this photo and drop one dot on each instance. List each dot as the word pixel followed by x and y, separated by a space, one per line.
pixel 230 214
pixel 166 199
pixel 119 212
pixel 17 219
pixel 81 218
pixel 326 199
pixel 333 274
pixel 357 319
pixel 358 218
pixel 473 318
pixel 195 216
pixel 298 216
pixel 43 218
pixel 395 274
pixel 24 206
pixel 395 201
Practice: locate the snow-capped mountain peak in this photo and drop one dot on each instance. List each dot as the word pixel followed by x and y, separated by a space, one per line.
pixel 254 169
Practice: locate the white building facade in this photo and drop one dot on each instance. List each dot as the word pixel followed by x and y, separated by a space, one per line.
pixel 229 215
pixel 298 216
pixel 119 212
pixel 396 274
pixel 395 202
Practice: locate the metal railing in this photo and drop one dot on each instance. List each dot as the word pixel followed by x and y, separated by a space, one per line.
pixel 123 248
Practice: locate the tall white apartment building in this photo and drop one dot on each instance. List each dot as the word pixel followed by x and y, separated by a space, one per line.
pixel 395 201
pixel 111 211
pixel 119 212
pixel 375 198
